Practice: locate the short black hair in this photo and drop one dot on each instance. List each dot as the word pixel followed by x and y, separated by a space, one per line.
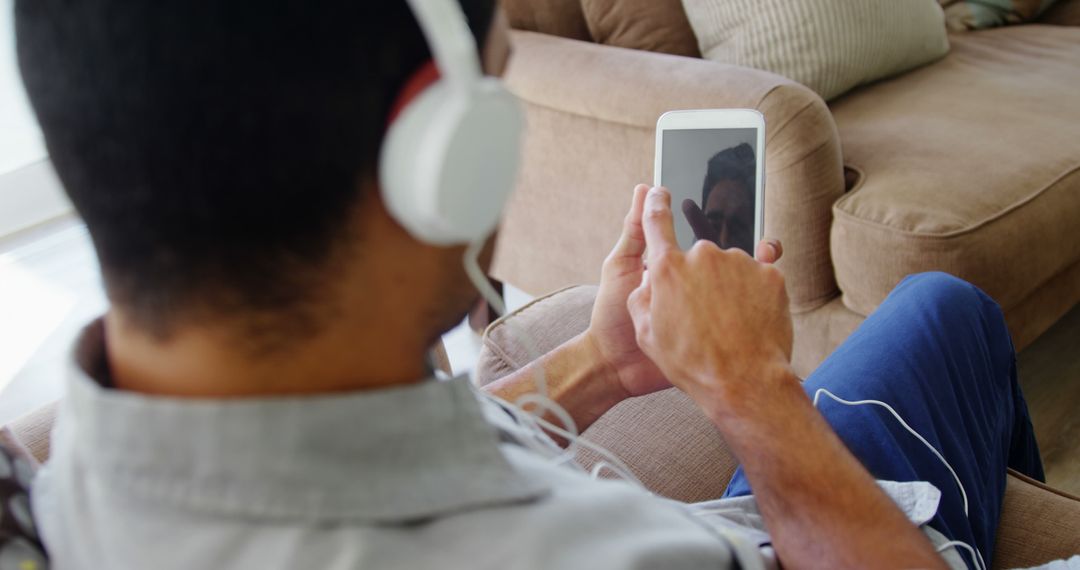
pixel 736 164
pixel 215 148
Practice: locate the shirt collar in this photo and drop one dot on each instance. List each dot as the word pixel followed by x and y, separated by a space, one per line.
pixel 384 456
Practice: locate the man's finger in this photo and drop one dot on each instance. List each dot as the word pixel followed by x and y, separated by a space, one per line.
pixel 658 223
pixel 703 230
pixel 638 304
pixel 632 240
pixel 769 251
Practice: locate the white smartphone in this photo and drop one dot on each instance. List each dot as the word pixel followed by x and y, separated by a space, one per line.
pixel 712 162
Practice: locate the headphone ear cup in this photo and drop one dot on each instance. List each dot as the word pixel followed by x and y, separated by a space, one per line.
pixel 449 162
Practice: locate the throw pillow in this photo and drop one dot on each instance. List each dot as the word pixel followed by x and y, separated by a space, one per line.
pixel 555 17
pixel 650 25
pixel 830 46
pixel 977 14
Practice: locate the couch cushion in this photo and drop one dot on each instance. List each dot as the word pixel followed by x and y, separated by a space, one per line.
pixel 970 166
pixel 668 443
pixel 556 17
pixel 650 25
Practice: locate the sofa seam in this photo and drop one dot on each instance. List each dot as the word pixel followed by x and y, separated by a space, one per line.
pixel 1038 288
pixel 839 211
pixel 550 107
pixel 1043 486
pixel 858 183
pixel 501 355
pixel 819 302
pixel 793 116
pixel 499 323
pixel 1004 309
pixel 803 158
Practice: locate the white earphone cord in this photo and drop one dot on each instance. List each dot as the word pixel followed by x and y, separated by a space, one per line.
pixel 539 400
pixel 976 556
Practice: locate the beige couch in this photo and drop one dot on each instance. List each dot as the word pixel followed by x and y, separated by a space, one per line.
pixel 677 453
pixel 970 165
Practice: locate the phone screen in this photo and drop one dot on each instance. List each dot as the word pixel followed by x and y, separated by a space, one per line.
pixel 712 177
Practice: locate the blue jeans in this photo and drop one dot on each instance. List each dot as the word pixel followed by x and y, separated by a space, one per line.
pixel 937 350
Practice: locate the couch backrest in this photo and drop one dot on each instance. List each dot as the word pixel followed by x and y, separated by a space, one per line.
pixel 1062 13
pixel 649 25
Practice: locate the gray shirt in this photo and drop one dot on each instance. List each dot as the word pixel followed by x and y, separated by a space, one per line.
pixel 431 475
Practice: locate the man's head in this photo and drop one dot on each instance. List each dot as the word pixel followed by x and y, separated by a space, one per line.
pixel 727 197
pixel 224 154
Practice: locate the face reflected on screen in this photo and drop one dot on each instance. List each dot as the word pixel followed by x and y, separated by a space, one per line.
pixel 729 207
pixel 726 213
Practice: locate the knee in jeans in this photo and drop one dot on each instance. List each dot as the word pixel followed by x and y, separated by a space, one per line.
pixel 940 286
pixel 946 293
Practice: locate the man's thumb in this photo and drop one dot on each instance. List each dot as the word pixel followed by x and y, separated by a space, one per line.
pixel 639 300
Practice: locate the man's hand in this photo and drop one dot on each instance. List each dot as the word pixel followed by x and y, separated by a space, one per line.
pixel 717 323
pixel 711 319
pixel 603 366
pixel 611 329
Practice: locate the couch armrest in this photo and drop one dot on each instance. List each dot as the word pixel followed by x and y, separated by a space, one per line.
pixel 592 112
pixel 1038 524
pixel 32 432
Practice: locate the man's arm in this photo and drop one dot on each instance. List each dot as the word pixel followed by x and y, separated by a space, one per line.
pixel 592 372
pixel 821 506
pixel 577 376
pixel 716 323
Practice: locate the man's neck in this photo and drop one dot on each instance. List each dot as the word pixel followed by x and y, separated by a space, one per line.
pixel 212 362
pixel 385 300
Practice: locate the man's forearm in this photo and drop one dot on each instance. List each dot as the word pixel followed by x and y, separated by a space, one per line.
pixel 820 505
pixel 576 378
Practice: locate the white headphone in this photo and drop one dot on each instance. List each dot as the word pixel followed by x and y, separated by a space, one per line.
pixel 449 160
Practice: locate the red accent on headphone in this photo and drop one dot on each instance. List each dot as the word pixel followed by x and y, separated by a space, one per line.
pixel 425 77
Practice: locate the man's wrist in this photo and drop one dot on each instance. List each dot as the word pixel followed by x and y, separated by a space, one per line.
pixel 753 396
pixel 603 372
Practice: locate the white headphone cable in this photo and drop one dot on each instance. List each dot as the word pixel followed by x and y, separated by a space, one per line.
pixel 540 400
pixel 963 493
pixel 976 557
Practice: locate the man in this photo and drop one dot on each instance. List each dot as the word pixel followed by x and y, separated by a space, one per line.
pixel 257 394
pixel 726 215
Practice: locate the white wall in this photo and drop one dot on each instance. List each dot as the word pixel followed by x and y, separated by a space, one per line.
pixel 29 190
pixel 30 195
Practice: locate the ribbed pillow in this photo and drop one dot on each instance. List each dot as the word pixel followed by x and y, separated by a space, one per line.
pixel 830 46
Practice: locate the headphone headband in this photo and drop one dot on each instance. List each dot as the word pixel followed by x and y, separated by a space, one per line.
pixel 449 160
pixel 452 44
